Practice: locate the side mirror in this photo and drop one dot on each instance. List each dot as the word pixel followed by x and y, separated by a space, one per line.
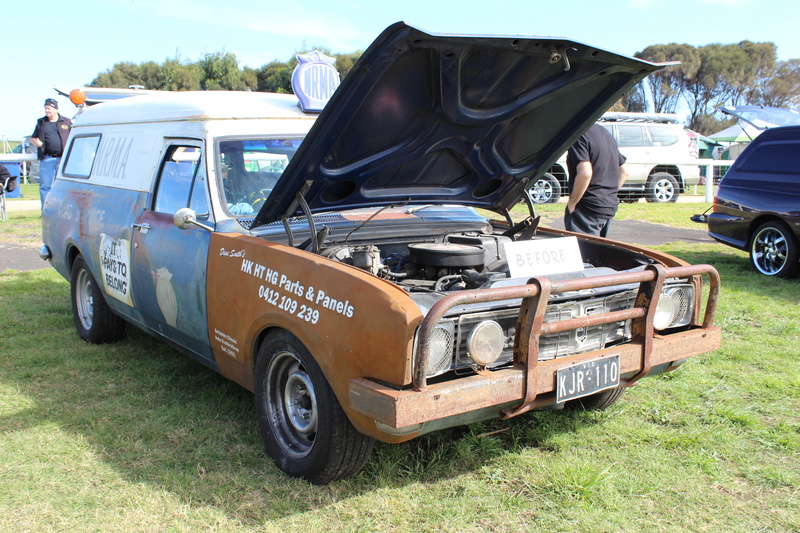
pixel 185 218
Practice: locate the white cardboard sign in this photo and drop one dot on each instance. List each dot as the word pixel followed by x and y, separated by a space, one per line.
pixel 527 259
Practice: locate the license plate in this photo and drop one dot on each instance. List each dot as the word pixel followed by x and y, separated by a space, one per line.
pixel 587 378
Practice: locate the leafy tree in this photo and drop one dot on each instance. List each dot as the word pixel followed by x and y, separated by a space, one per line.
pixel 665 86
pixel 761 68
pixel 250 78
pixel 219 72
pixel 632 101
pixel 177 75
pixel 783 89
pixel 725 73
pixel 345 62
pixel 126 74
pixel 707 77
pixel 275 77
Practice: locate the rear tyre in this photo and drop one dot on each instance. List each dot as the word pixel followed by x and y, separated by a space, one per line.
pixel 597 402
pixel 94 320
pixel 305 430
pixel 774 250
pixel 662 188
pixel 546 190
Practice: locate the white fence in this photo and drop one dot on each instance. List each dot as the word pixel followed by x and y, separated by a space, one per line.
pixel 711 166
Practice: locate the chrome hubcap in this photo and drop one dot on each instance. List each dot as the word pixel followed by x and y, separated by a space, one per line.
pixel 84 300
pixel 769 251
pixel 291 405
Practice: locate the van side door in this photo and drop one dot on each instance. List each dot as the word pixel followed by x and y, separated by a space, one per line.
pixel 170 264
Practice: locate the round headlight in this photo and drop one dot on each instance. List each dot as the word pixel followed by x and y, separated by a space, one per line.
pixel 486 342
pixel 665 310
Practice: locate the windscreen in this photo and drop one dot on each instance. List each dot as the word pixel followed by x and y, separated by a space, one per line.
pixel 248 170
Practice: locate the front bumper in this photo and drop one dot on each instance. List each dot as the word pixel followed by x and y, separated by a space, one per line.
pixel 531 383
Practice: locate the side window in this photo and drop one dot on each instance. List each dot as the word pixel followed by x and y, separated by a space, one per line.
pixel 182 181
pixel 772 158
pixel 663 135
pixel 80 157
pixel 631 135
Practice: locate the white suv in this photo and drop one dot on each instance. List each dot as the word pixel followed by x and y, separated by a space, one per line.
pixel 661 159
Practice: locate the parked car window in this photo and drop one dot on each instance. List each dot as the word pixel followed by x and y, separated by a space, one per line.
pixel 663 135
pixel 181 182
pixel 80 158
pixel 775 157
pixel 632 136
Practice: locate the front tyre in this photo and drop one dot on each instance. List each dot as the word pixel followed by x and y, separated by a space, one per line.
pixel 597 402
pixel 94 320
pixel 305 430
pixel 662 188
pixel 774 250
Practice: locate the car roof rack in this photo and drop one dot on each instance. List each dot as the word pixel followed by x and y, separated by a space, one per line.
pixel 616 116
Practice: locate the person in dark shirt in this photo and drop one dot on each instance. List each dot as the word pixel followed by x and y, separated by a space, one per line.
pixel 50 137
pixel 596 172
pixel 5 175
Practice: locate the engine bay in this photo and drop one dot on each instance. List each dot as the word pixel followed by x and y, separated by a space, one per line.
pixel 456 262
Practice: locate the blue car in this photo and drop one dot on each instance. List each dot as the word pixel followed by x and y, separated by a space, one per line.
pixel 757 207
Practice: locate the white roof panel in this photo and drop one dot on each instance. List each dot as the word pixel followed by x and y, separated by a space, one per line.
pixel 193 106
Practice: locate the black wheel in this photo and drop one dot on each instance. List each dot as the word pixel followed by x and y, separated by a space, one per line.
pixel 662 188
pixel 597 402
pixel 774 250
pixel 546 190
pixel 94 320
pixel 305 430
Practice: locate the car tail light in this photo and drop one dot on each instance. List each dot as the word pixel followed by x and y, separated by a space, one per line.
pixel 693 152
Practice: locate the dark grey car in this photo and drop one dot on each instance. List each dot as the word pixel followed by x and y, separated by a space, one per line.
pixel 757 207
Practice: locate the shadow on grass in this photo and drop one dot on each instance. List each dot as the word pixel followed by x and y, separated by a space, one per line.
pixel 160 419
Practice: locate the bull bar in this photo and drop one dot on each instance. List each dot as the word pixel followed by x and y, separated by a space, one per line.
pixel 531 383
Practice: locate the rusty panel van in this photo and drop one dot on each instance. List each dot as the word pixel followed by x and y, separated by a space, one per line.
pixel 359 269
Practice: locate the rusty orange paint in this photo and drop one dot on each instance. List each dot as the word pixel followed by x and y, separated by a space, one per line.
pixel 353 323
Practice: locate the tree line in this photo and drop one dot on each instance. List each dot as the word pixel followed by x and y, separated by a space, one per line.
pixel 215 71
pixel 745 73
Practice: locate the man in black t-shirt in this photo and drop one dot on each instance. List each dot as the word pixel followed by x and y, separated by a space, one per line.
pixel 596 172
pixel 50 137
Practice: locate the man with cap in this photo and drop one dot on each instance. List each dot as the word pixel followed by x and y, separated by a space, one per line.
pixel 50 136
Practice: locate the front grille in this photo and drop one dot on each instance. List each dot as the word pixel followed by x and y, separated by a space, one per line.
pixel 556 345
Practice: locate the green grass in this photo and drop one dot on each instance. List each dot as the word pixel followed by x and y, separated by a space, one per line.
pixel 23 228
pixel 135 437
pixel 676 215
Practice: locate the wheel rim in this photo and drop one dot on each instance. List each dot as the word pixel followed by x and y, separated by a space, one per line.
pixel 291 405
pixel 542 191
pixel 664 190
pixel 769 251
pixel 84 301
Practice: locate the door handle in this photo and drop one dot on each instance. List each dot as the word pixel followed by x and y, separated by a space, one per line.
pixel 143 228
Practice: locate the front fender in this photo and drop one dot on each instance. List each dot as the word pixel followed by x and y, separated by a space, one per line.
pixel 353 323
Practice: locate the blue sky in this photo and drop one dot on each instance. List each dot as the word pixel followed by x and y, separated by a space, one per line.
pixel 47 43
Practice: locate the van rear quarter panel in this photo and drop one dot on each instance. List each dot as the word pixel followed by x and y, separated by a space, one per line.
pixel 354 324
pixel 79 211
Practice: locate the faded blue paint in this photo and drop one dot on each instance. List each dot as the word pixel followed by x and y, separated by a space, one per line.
pixel 75 216
pixel 79 213
pixel 169 281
